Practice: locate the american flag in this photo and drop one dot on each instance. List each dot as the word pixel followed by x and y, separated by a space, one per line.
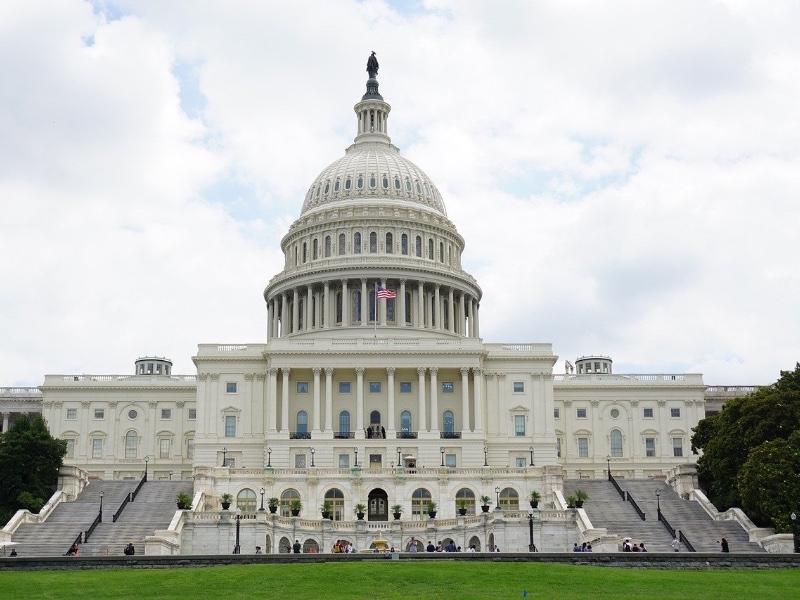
pixel 384 293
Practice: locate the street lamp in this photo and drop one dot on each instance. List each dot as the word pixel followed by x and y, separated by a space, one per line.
pixel 355 450
pixel 312 457
pixel 497 498
pixel 262 500
pixel 658 503
pixel 794 533
pixel 101 506
pixel 224 454
pixel 608 465
pixel 269 458
pixel 237 549
pixel 485 456
pixel 399 460
pixel 530 449
pixel 146 459
pixel 441 450
pixel 531 545
pixel 170 474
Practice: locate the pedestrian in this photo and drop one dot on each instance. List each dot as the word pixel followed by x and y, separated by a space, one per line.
pixel 496 548
pixel 430 547
pixel 412 545
pixel 73 550
pixel 642 548
pixel 724 543
pixel 575 547
pixel 129 550
pixel 258 550
pixel 676 545
pixel 296 547
pixel 13 552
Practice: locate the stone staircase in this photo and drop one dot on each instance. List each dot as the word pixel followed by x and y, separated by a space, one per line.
pixel 605 508
pixel 153 509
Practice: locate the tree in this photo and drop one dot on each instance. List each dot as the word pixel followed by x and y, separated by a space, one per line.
pixel 29 462
pixel 770 413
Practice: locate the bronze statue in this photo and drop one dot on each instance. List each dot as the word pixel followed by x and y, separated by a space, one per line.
pixel 372 65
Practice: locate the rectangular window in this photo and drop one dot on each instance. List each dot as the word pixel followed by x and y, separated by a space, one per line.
pixel 230 426
pixel 648 413
pixel 519 387
pixel 344 461
pixel 583 447
pixel 70 449
pixel 192 414
pixel 558 447
pixel 447 387
pixel 190 448
pixel 131 445
pixel 675 413
pixel 450 460
pixel 520 461
pixel 230 387
pixel 344 387
pixel 677 446
pixel 375 461
pixel 166 413
pixel 99 413
pixel 374 387
pixel 72 414
pixel 556 413
pixel 302 387
pixel 405 387
pixel 650 447
pixel 581 413
pixel 519 425
pixel 97 448
pixel 299 461
pixel 163 448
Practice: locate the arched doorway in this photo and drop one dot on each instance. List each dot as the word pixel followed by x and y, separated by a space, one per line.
pixel 377 508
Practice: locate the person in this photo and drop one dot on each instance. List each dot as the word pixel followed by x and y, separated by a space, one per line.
pixel 350 548
pixel 471 548
pixel 412 546
pixel 296 547
pixel 642 548
pixel 258 550
pixel 392 550
pixel 636 548
pixel 626 545
pixel 583 547
pixel 73 550
pixel 676 545
pixel 451 547
pixel 496 548
pixel 439 547
pixel 129 550
pixel 430 547
pixel 588 547
pixel 575 547
pixel 724 543
pixel 13 552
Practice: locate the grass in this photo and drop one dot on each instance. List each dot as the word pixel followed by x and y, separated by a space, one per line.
pixel 392 580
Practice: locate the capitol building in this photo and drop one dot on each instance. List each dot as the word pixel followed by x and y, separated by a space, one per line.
pixel 374 390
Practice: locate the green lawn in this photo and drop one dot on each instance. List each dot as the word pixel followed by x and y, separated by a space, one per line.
pixel 387 580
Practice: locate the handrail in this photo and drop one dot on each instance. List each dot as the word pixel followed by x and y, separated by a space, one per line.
pixel 682 538
pixel 139 487
pixel 121 508
pixel 636 506
pixel 91 528
pixel 616 485
pixel 75 542
pixel 686 543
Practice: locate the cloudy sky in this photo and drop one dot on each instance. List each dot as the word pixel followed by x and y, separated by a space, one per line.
pixel 626 174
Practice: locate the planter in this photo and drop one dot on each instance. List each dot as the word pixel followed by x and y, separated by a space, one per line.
pixel 485 507
pixel 295 511
pixel 432 514
pixel 182 506
pixel 226 505
pixel 534 504
pixel 397 516
pixel 360 516
pixel 579 504
pixel 326 515
pixel 462 511
pixel 273 509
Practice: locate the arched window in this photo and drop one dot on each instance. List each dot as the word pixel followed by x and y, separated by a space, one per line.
pixel 344 423
pixel 389 243
pixel 509 499
pixel 315 249
pixel 356 306
pixel 408 184
pixel 373 181
pixel 131 444
pixel 373 242
pixel 467 496
pixel 357 243
pixel 305 252
pixel 327 246
pixel 418 247
pixel 430 248
pixel 286 499
pixel 615 439
pixel 385 182
pixel 335 498
pixel 441 252
pixel 301 313
pixel 327 186
pixel 419 503
pixel 302 422
pixel 408 307
pixel 448 421
pixel 342 244
pixel 246 500
pixel 405 421
pixel 404 244
pixel 375 417
pixel 336 186
pixel 348 183
pixel 360 182
pixel 397 183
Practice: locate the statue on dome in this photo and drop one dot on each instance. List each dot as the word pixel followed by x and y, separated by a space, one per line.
pixel 372 65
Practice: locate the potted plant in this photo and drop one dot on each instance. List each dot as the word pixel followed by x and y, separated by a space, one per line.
pixel 485 500
pixel 534 497
pixel 462 506
pixel 358 510
pixel 226 500
pixel 397 510
pixel 183 500
pixel 571 500
pixel 273 505
pixel 580 498
pixel 431 509
pixel 294 507
pixel 325 509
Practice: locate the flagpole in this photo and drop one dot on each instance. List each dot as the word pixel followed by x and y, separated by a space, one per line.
pixel 375 335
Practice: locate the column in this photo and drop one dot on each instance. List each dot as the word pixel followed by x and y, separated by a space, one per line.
pixel 400 319
pixel 247 409
pixel 462 319
pixel 285 399
pixel 477 319
pixel 477 382
pixel 365 316
pixel 309 305
pixel 272 400
pixel 471 323
pixel 269 319
pixel 285 320
pixel 421 408
pixel 451 312
pixel 501 415
pixel 360 402
pixel 5 421
pixel 328 398
pixel 295 311
pixel 437 307
pixel 345 304
pixel 465 399
pixel 260 405
pixel 434 398
pixel 316 371
pixel 326 306
pixel 382 311
pixel 390 397
pixel 420 305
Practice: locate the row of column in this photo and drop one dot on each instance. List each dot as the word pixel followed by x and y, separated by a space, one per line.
pixel 320 308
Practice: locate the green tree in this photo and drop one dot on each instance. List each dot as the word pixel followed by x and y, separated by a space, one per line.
pixel 29 462
pixel 770 413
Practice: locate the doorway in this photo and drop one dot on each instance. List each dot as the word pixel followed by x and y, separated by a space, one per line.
pixel 378 509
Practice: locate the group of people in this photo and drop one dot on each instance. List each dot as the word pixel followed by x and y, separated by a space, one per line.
pixel 343 547
pixel 628 546
pixel 585 547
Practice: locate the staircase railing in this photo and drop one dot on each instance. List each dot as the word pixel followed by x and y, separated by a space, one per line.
pixel 91 527
pixel 616 485
pixel 75 542
pixel 682 538
pixel 121 508
pixel 138 487
pixel 638 510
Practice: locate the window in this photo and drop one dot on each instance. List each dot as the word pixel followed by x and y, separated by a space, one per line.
pixel 467 495
pixel 246 500
pixel 342 244
pixel 315 249
pixel 344 422
pixel 419 503
pixel 286 499
pixel 302 387
pixel 509 500
pixel 344 461
pixel 447 387
pixel 131 444
pixel 302 422
pixel 675 413
pixel 650 446
pixel 327 246
pixel 336 499
pixel 347 183
pixel 405 421
pixel 519 387
pixel 450 460
pixel 99 413
pixel 404 244
pixel 519 425
pixel 374 387
pixel 389 243
pixel 448 420
pixel 385 182
pixel 677 446
pixel 405 387
pixel 192 414
pixel 373 242
pixel 430 248
pixel 556 413
pixel 163 447
pixel 97 448
pixel 356 243
pixel 72 414
pixel 70 448
pixel 648 413
pixel 299 461
pixel 581 413
pixel 166 413
pixel 558 447
pixel 190 448
pixel 132 414
pixel 583 447
pixel 344 387
pixel 230 426
pixel 418 247
pixel 614 413
pixel 230 388
pixel 520 461
pixel 615 439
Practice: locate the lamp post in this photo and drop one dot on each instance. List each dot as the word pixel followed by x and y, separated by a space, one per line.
pixel 101 506
pixel 485 456
pixel 312 456
pixel 269 458
pixel 658 503
pixel 262 500
pixel 399 460
pixel 793 516
pixel 441 450
pixel 146 459
pixel 237 549
pixel 355 450
pixel 224 455
pixel 531 545
pixel 530 449
pixel 608 466
pixel 170 474
pixel 497 498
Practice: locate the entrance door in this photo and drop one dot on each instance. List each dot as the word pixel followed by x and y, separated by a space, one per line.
pixel 378 509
